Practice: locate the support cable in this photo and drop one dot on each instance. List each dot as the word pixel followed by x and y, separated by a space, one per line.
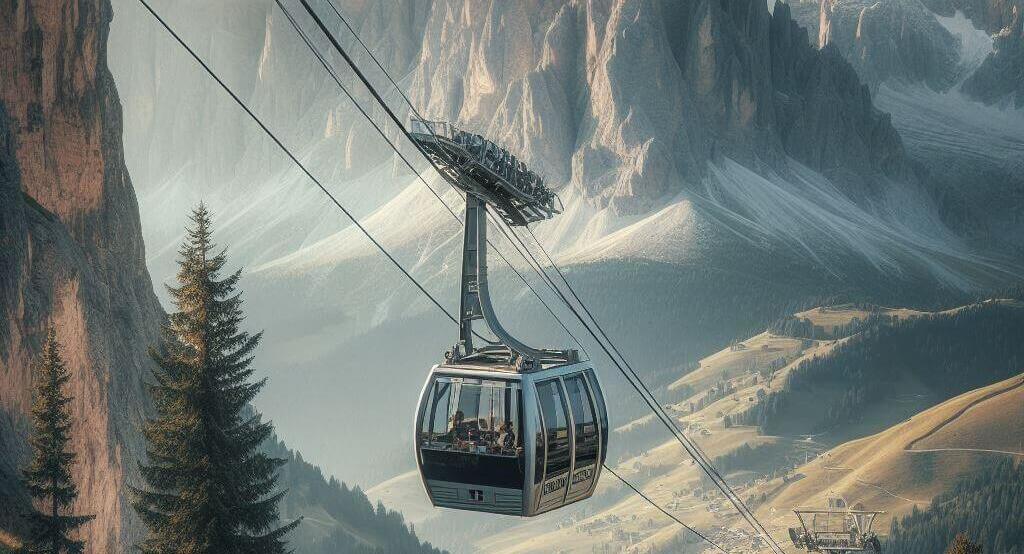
pixel 345 211
pixel 662 510
pixel 295 160
pixel 380 131
pixel 691 447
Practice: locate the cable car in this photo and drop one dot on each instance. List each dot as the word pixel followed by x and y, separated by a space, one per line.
pixel 838 529
pixel 502 427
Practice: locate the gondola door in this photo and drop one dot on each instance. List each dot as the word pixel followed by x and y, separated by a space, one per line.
pixel 554 450
pixel 586 436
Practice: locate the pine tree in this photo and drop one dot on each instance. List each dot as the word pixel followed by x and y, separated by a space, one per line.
pixel 211 491
pixel 48 476
pixel 963 545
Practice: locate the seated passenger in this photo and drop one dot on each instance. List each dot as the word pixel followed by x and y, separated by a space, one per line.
pixel 482 433
pixel 507 437
pixel 458 433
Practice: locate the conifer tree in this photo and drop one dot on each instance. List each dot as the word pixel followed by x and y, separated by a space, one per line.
pixel 963 545
pixel 211 490
pixel 48 475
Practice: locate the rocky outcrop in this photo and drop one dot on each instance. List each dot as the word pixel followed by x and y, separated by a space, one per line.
pixel 1000 78
pixel 72 254
pixel 991 15
pixel 640 94
pixel 625 101
pixel 826 117
pixel 904 41
pixel 889 39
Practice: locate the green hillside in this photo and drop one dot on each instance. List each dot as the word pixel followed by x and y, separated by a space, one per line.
pixel 890 370
pixel 988 507
pixel 337 518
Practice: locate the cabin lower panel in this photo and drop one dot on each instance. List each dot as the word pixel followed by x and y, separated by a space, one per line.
pixel 479 498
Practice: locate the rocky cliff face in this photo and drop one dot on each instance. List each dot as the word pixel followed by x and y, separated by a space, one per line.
pixel 827 119
pixel 971 45
pixel 893 39
pixel 627 101
pixel 990 15
pixel 1000 78
pixel 624 101
pixel 72 253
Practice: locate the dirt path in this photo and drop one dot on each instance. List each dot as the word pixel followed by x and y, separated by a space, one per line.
pixel 889 492
pixel 966 450
pixel 1018 382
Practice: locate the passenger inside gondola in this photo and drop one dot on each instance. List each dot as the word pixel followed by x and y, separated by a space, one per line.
pixel 459 431
pixel 506 443
pixel 484 418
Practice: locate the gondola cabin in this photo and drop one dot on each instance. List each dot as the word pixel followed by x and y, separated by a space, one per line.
pixel 502 427
pixel 492 439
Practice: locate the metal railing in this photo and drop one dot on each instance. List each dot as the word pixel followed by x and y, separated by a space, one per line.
pixel 523 186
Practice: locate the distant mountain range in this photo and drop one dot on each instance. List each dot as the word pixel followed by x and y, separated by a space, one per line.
pixel 719 170
pixel 640 112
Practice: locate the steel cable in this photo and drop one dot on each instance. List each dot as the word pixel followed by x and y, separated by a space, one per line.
pixel 373 240
pixel 690 446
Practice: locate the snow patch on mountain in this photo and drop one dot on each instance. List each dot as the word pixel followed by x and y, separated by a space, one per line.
pixel 668 234
pixel 975 44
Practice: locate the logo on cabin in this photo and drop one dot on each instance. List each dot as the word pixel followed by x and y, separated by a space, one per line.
pixel 555 484
pixel 582 475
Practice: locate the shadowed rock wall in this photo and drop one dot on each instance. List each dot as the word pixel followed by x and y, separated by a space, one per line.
pixel 71 255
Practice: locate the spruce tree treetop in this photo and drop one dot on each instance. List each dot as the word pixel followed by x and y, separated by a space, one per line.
pixel 48 476
pixel 962 545
pixel 210 489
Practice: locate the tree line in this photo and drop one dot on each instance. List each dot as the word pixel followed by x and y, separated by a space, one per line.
pixel 987 506
pixel 946 354
pixel 308 487
pixel 210 481
pixel 804 328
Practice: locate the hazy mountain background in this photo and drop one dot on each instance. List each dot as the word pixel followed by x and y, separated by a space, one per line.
pixel 723 165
